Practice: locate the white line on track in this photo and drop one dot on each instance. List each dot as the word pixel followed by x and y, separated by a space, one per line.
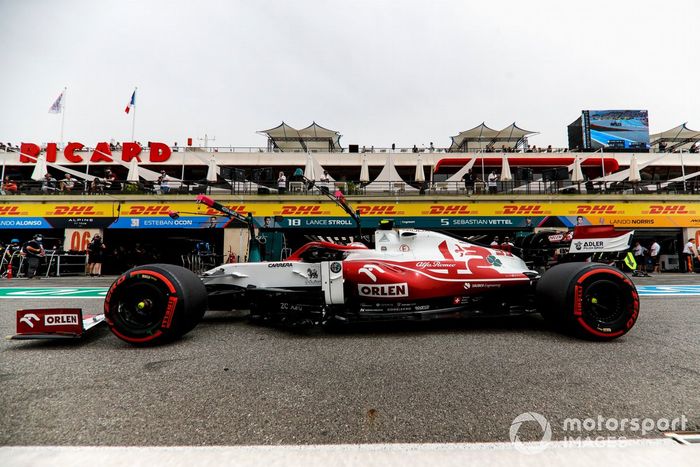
pixel 633 452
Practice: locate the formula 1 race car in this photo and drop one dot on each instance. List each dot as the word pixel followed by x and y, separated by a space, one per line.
pixel 408 275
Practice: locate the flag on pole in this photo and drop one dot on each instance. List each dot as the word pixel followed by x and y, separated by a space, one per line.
pixel 57 105
pixel 131 103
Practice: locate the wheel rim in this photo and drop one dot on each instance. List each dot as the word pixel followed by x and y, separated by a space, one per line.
pixel 603 303
pixel 140 306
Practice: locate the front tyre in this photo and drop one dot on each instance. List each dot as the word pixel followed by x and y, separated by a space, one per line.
pixel 590 300
pixel 155 303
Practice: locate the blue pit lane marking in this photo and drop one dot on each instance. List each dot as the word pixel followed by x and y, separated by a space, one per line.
pixel 668 290
pixel 53 292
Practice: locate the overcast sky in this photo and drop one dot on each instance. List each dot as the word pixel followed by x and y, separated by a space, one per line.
pixel 379 72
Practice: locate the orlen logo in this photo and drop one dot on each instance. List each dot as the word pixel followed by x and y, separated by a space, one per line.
pixel 383 290
pixel 378 210
pixel 10 211
pixel 449 209
pixel 149 210
pixel 73 211
pixel 522 209
pixel 596 209
pixel 668 209
pixel 60 320
pixel 303 210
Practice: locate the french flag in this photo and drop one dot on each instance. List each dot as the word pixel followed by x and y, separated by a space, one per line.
pixel 131 103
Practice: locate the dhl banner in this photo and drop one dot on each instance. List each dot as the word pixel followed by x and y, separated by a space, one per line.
pixel 153 214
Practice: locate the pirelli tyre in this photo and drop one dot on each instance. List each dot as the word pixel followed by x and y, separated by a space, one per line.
pixel 155 303
pixel 590 300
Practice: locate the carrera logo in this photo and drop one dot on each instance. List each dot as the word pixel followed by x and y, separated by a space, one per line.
pixel 383 290
pixel 303 210
pixel 669 209
pixel 597 209
pixel 450 209
pixel 73 211
pixel 60 320
pixel 377 210
pixel 279 265
pixel 149 210
pixel 522 209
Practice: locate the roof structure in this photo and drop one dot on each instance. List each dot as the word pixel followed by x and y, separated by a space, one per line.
pixel 313 138
pixel 676 139
pixel 472 140
pixel 481 138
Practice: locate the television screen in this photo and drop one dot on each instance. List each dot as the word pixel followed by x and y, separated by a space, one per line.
pixel 616 129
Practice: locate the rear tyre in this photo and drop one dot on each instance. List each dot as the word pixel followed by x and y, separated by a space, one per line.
pixel 590 300
pixel 155 303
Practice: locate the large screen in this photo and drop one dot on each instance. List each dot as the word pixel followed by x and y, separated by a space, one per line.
pixel 616 129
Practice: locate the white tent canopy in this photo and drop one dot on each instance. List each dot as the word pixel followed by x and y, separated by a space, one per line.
pixel 676 139
pixel 506 175
pixel 460 173
pixel 482 137
pixel 389 179
pixel 133 175
pixel 312 138
pixel 475 139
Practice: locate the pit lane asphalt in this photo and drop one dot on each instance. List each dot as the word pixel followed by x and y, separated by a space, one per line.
pixel 230 382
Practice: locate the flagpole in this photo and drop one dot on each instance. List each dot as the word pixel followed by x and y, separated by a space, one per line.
pixel 63 114
pixel 133 120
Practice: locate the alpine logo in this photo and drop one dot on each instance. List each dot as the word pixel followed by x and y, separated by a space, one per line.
pixel 60 320
pixel 383 290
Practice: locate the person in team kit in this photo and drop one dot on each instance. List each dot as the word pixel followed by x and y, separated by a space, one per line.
pixel 690 251
pixel 654 251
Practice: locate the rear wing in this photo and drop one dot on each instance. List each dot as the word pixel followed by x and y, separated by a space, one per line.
pixel 54 323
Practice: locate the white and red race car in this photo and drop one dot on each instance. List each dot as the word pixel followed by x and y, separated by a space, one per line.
pixel 408 275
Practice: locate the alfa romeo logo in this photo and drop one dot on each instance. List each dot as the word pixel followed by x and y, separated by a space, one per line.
pixel 335 267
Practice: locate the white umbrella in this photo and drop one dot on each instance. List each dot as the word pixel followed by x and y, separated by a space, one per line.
pixel 420 173
pixel 40 169
pixel 364 171
pixel 213 171
pixel 506 176
pixel 577 173
pixel 133 175
pixel 309 170
pixel 634 170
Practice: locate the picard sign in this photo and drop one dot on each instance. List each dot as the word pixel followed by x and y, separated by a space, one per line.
pixel 159 152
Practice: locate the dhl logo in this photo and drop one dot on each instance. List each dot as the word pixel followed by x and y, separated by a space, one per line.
pixel 668 209
pixel 11 211
pixel 522 209
pixel 450 209
pixel 87 210
pixel 303 210
pixel 597 209
pixel 367 210
pixel 161 210
pixel 235 207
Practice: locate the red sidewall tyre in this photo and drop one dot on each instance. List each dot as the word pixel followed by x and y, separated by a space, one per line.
pixel 593 301
pixel 155 303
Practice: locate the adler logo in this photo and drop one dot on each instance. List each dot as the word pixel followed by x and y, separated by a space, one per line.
pixel 383 290
pixel 60 320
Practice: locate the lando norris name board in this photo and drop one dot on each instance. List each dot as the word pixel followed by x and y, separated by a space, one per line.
pixel 156 215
